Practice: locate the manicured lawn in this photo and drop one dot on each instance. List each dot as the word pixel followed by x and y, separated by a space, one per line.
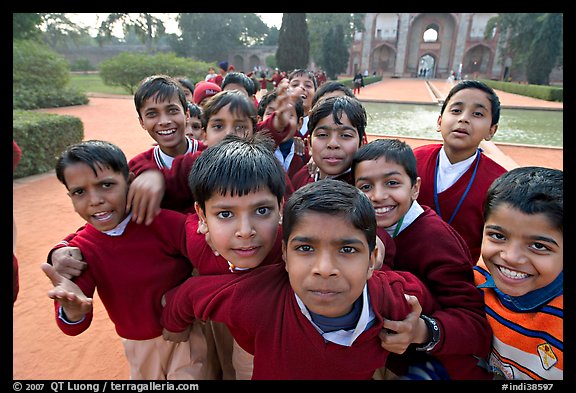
pixel 92 83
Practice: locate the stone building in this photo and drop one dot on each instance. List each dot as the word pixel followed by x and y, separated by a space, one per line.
pixel 428 45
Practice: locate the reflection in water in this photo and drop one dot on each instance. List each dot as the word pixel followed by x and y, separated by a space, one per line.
pixel 531 127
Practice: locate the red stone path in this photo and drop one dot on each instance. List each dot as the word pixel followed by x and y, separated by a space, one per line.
pixel 44 214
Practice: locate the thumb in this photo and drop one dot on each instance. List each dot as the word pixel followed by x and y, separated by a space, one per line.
pixel 413 301
pixel 52 274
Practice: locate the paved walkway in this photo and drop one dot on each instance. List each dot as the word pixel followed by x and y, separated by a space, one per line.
pixel 418 91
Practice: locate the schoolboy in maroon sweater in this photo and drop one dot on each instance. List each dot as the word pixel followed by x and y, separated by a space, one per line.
pixel 456 174
pixel 125 260
pixel 319 315
pixel 385 170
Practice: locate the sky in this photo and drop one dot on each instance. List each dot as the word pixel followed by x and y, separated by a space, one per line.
pixel 93 20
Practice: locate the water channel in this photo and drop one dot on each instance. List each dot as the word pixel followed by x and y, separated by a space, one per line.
pixel 522 126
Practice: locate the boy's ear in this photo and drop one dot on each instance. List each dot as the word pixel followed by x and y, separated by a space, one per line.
pixel 493 129
pixel 416 188
pixel 131 177
pixel 439 123
pixel 141 121
pixel 372 263
pixel 202 226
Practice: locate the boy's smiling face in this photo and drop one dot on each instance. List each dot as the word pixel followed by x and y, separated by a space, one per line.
pixel 388 187
pixel 328 261
pixel 165 121
pixel 100 199
pixel 523 252
pixel 242 229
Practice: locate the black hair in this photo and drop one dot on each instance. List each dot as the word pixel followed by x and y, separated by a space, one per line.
pixel 271 96
pixel 194 109
pixel 240 79
pixel 336 106
pixel 239 103
pixel 330 86
pixel 334 198
pixel 532 190
pixel 393 150
pixel 474 84
pixel 187 83
pixel 237 166
pixel 303 71
pixel 162 88
pixel 94 153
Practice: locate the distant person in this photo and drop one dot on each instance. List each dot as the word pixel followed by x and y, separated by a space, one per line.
pixel 331 89
pixel 203 91
pixel 223 70
pixel 303 82
pixel 210 75
pixel 194 127
pixel 187 86
pixel 522 273
pixel 456 173
pixel 126 261
pixel 241 82
pixel 277 104
pixel 358 83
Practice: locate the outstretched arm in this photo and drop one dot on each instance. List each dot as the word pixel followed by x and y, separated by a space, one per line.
pixel 71 298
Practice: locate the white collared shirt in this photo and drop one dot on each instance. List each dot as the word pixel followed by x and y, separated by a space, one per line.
pixel 448 173
pixel 344 337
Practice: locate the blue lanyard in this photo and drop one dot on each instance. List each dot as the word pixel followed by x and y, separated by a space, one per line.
pixel 463 195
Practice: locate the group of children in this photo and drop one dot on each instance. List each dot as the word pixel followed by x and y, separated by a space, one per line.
pixel 251 254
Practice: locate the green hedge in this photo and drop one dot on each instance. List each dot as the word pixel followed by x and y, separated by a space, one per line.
pixel 42 137
pixel 548 93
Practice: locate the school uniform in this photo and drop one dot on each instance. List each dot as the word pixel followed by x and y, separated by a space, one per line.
pixel 469 217
pixel 177 195
pixel 433 251
pixel 528 330
pixel 303 177
pixel 225 354
pixel 291 162
pixel 132 267
pixel 286 344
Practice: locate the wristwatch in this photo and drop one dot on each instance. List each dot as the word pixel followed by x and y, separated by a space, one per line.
pixel 433 332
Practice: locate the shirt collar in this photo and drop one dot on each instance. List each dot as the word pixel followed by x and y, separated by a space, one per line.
pixel 531 300
pixel 344 337
pixel 410 216
pixel 119 230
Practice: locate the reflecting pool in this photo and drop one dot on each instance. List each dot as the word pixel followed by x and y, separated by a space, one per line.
pixel 523 126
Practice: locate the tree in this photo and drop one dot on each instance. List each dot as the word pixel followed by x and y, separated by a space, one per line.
pixel 534 43
pixel 60 31
pixel 26 26
pixel 321 23
pixel 147 27
pixel 211 36
pixel 334 52
pixel 293 44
